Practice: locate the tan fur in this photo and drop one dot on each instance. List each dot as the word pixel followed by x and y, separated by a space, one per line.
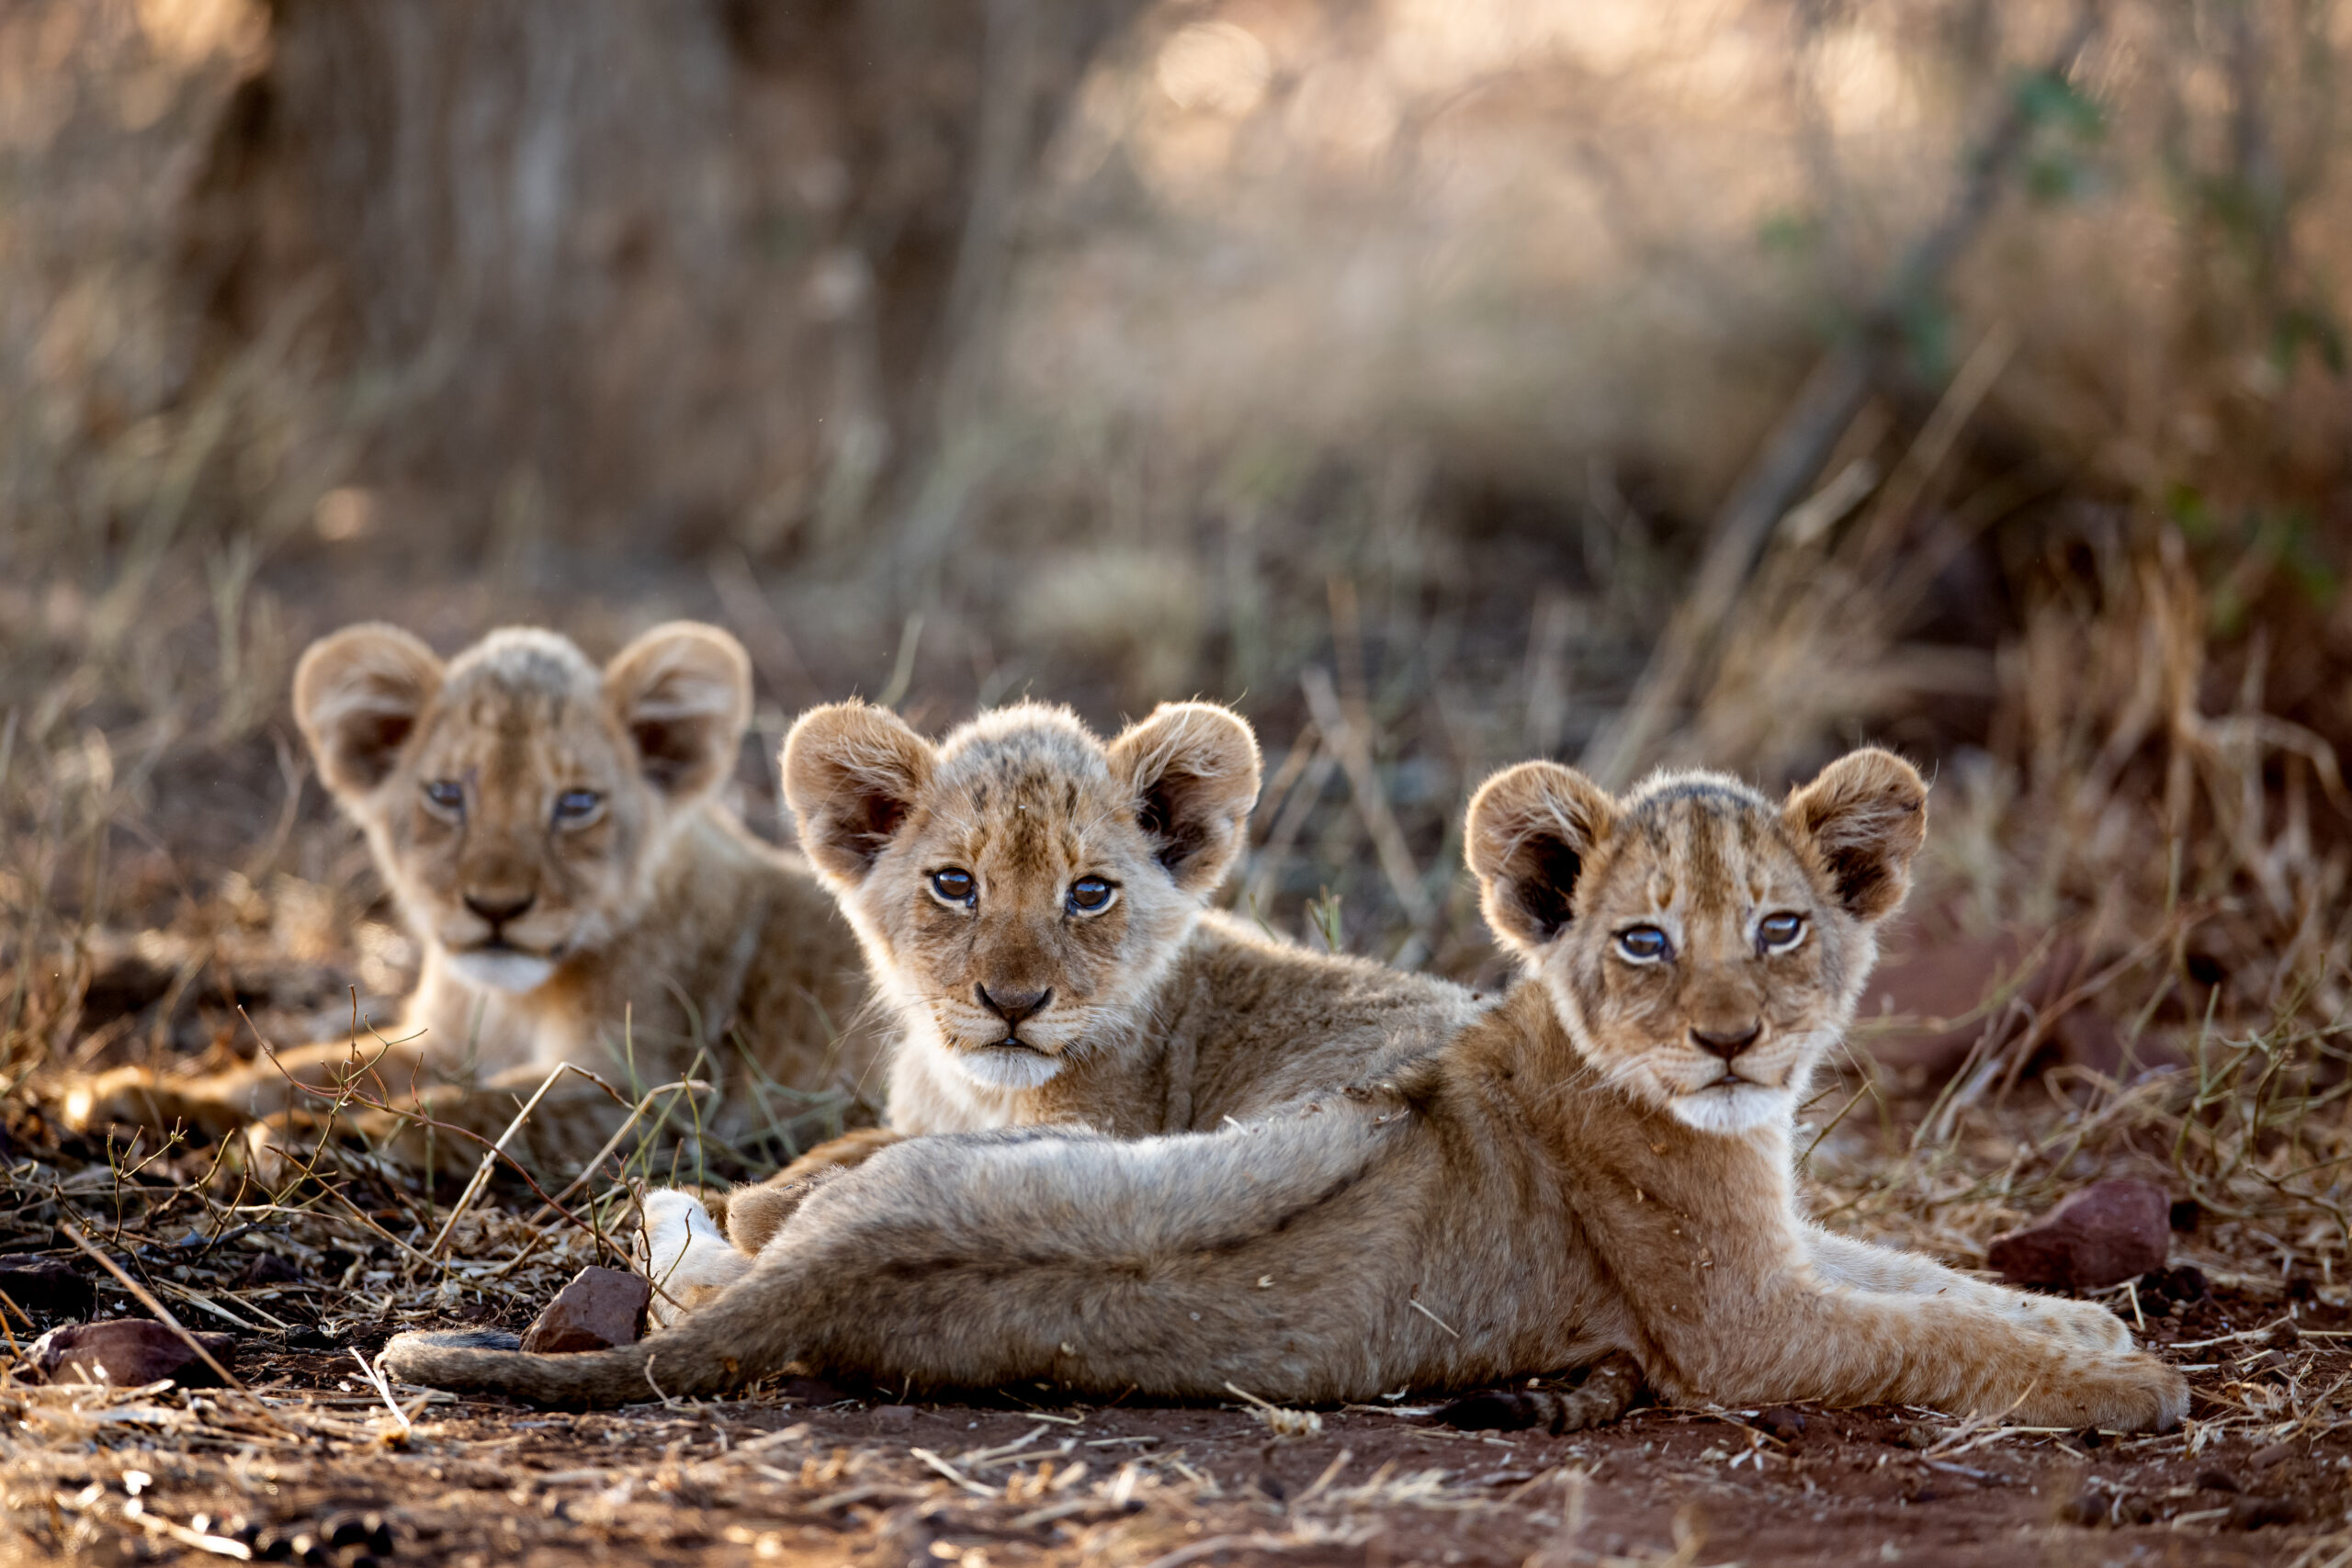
pixel 628 929
pixel 1571 1176
pixel 1158 1016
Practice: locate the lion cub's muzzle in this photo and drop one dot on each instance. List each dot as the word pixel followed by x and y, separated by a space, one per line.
pixel 1015 1007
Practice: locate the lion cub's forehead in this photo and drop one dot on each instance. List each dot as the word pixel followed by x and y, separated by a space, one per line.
pixel 1706 841
pixel 1023 786
pixel 517 693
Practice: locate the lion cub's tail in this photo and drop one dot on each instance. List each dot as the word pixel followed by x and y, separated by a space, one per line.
pixel 705 1354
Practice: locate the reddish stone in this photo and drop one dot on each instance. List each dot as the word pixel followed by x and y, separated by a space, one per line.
pixel 129 1353
pixel 2109 1231
pixel 601 1308
pixel 45 1285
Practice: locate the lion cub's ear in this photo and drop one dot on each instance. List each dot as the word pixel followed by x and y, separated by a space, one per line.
pixel 682 693
pixel 357 695
pixel 1866 815
pixel 1529 832
pixel 850 775
pixel 1194 769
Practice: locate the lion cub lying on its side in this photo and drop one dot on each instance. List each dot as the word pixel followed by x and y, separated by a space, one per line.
pixel 1032 905
pixel 1600 1164
pixel 551 834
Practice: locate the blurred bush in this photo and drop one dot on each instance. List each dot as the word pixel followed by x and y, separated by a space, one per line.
pixel 1119 351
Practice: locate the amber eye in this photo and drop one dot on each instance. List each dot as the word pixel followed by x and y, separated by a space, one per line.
pixel 1090 895
pixel 955 884
pixel 446 794
pixel 1644 945
pixel 1777 933
pixel 577 804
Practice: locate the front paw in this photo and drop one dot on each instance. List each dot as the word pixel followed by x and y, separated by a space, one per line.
pixel 135 1097
pixel 2140 1394
pixel 2086 1323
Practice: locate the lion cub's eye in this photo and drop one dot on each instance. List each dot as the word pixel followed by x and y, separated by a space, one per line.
pixel 1777 933
pixel 577 804
pixel 446 794
pixel 1090 895
pixel 954 885
pixel 1644 945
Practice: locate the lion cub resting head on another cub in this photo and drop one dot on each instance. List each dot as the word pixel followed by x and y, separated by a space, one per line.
pixel 551 832
pixel 1600 1164
pixel 1032 905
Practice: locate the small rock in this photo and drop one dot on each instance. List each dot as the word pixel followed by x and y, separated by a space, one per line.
pixel 45 1285
pixel 2263 1459
pixel 268 1269
pixel 2087 1509
pixel 128 1352
pixel 2283 1335
pixel 367 1531
pixel 2255 1513
pixel 894 1418
pixel 2184 1214
pixel 1785 1422
pixel 2109 1231
pixel 1917 1436
pixel 2215 1479
pixel 601 1308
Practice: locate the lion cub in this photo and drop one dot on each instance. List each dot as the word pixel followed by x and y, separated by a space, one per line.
pixel 1031 903
pixel 551 834
pixel 1600 1164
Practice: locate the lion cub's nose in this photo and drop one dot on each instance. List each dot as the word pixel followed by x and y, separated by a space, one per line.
pixel 1015 1007
pixel 1726 1044
pixel 499 910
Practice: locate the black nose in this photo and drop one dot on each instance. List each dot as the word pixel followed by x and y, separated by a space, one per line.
pixel 498 911
pixel 1015 1007
pixel 1726 1045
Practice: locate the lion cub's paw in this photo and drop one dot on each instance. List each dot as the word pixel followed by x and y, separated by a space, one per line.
pixel 2086 1323
pixel 2135 1393
pixel 134 1097
pixel 681 1248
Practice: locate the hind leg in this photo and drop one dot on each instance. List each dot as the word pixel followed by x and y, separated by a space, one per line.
pixel 1609 1389
pixel 751 1215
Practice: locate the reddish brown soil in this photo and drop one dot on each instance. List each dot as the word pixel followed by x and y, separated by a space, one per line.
pixel 480 1483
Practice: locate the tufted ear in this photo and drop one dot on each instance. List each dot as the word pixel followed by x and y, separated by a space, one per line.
pixel 357 695
pixel 682 695
pixel 1194 769
pixel 850 775
pixel 1529 832
pixel 1865 815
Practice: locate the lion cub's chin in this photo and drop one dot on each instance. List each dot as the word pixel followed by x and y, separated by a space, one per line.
pixel 1730 1109
pixel 509 971
pixel 995 1067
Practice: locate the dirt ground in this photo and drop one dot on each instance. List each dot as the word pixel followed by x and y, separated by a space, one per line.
pixel 313 1467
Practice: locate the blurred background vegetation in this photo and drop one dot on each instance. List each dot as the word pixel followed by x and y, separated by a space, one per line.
pixel 1445 382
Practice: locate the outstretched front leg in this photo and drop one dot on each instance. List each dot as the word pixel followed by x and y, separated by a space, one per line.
pixel 1859 1263
pixel 1804 1335
pixel 309 1079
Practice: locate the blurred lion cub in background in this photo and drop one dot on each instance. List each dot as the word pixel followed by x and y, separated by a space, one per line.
pixel 550 834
